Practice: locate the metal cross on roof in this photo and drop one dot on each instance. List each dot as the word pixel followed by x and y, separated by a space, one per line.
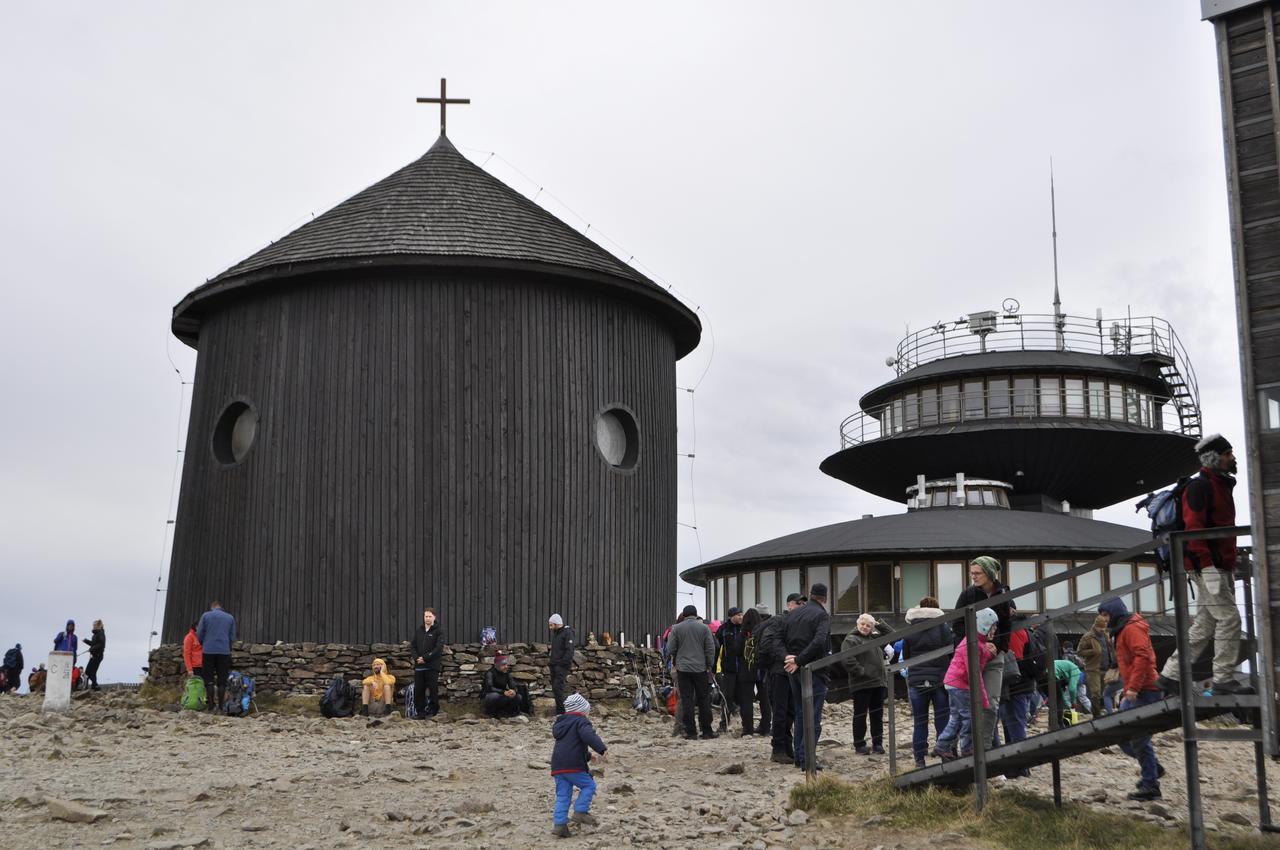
pixel 443 101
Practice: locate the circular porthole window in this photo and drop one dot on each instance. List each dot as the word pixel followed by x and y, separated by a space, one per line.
pixel 234 433
pixel 617 438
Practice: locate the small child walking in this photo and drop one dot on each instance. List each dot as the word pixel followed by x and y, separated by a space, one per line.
pixel 960 722
pixel 575 738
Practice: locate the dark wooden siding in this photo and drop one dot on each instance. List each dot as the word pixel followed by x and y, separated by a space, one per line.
pixel 422 441
pixel 1247 58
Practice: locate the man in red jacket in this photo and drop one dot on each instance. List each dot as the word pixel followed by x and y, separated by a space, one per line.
pixel 1137 660
pixel 1207 502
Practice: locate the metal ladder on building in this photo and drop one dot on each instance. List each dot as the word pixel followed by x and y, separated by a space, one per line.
pixel 1184 400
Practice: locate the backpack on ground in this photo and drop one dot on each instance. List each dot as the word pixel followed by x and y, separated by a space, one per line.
pixel 239 692
pixel 339 699
pixel 1165 510
pixel 410 707
pixel 194 697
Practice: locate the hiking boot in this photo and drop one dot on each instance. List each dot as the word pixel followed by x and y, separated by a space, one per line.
pixel 560 830
pixel 782 758
pixel 1171 687
pixel 1229 687
pixel 708 735
pixel 763 729
pixel 364 711
pixel 1152 793
pixel 877 750
pixel 861 750
pixel 919 763
pixel 689 737
pixel 584 817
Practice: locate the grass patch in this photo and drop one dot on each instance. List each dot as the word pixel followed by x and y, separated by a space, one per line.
pixel 1012 819
pixel 158 696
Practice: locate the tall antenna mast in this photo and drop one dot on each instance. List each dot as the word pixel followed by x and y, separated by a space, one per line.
pixel 1059 321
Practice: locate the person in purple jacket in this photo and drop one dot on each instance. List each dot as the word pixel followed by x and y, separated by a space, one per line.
pixel 575 738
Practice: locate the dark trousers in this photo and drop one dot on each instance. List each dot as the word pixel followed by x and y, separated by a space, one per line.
pixel 868 703
pixel 695 689
pixel 784 716
pixel 766 709
pixel 498 704
pixel 426 686
pixel 559 686
pixel 91 671
pixel 729 687
pixel 215 672
pixel 1141 748
pixel 745 690
pixel 797 699
pixel 922 699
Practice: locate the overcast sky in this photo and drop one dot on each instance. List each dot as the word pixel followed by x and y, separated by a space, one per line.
pixel 816 178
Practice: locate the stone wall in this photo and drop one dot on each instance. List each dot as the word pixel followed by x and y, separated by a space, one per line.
pixel 602 672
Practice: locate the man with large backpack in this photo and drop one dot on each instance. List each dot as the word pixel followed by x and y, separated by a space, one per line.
pixel 1208 502
pixel 13 667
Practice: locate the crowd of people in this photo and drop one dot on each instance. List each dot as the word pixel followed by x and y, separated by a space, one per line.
pixel 95 646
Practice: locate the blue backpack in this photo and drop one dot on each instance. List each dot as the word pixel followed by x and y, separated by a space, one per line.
pixel 1165 510
pixel 239 694
pixel 410 707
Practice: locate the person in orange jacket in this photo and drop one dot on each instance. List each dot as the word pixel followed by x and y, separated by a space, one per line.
pixel 193 654
pixel 1137 660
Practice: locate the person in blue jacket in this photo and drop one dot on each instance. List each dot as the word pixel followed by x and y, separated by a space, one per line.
pixel 66 641
pixel 575 739
pixel 216 631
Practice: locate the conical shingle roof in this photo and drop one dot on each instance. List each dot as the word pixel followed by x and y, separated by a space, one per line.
pixel 441 209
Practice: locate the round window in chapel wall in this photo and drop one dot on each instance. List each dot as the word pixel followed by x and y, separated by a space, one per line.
pixel 234 434
pixel 618 438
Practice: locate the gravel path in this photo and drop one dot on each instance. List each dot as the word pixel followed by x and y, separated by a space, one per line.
pixel 167 780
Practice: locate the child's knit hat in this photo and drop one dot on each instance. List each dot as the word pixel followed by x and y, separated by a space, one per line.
pixel 577 703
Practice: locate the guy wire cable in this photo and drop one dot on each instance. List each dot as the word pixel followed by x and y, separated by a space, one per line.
pixel 173 482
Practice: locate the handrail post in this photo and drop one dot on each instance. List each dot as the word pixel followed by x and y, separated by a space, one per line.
pixel 806 705
pixel 975 709
pixel 1256 680
pixel 1186 694
pixel 1055 705
pixel 893 726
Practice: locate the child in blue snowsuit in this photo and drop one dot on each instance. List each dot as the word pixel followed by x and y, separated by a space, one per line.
pixel 575 738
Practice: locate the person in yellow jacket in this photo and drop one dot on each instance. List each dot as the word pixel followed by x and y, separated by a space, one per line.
pixel 379 692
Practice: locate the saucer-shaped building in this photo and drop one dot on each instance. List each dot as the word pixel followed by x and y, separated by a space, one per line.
pixel 434 394
pixel 1001 433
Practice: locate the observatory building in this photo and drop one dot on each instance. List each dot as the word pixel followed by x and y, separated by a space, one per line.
pixel 434 394
pixel 1001 433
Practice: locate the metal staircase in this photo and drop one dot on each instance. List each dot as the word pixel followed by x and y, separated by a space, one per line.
pixel 1185 398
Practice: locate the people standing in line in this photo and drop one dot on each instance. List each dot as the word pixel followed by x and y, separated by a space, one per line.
pixel 738 684
pixel 427 649
pixel 807 637
pixel 193 655
pixel 378 693
pixel 771 654
pixel 867 677
pixel 751 624
pixel 501 694
pixel 1208 502
pixel 1137 660
pixel 984 582
pixel 962 726
pixel 1094 649
pixel 560 660
pixel 694 650
pixel 14 664
pixel 216 631
pixel 97 643
pixel 66 640
pixel 570 764
pixel 924 680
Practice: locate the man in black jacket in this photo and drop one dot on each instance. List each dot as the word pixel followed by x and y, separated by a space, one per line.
pixel 427 650
pixel 807 637
pixel 13 667
pixel 770 654
pixel 736 680
pixel 500 694
pixel 561 660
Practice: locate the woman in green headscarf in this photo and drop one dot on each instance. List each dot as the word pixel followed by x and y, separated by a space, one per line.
pixel 984 582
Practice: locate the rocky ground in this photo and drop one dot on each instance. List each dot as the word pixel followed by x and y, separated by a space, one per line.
pixel 157 779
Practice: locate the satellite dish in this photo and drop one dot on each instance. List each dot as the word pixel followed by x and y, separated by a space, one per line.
pixel 1011 306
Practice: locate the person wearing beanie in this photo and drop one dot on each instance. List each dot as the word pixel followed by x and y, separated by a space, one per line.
pixel 770 656
pixel 692 649
pixel 960 722
pixel 501 694
pixel 560 660
pixel 984 582
pixel 807 637
pixel 1095 650
pixel 575 738
pixel 1208 502
pixel 1137 660
pixel 735 682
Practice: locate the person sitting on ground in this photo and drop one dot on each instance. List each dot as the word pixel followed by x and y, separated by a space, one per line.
pixel 35 682
pixel 379 691
pixel 960 721
pixel 867 684
pixel 501 695
pixel 575 738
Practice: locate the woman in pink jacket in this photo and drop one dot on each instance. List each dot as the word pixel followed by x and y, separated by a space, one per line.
pixel 960 723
